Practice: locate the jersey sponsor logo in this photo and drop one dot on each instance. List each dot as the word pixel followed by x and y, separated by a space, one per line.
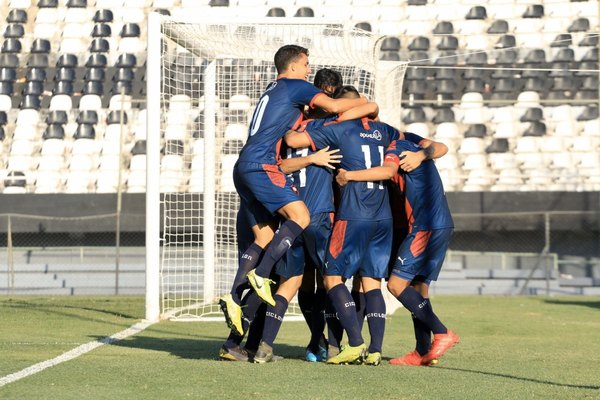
pixel 375 315
pixel 402 260
pixel 376 135
pixel 273 315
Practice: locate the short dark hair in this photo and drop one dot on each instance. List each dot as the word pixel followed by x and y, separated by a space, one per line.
pixel 347 92
pixel 287 54
pixel 326 77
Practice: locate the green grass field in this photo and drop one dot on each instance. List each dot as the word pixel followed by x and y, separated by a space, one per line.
pixel 512 348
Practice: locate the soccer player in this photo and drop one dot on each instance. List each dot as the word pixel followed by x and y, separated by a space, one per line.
pixel 360 241
pixel 263 188
pixel 421 254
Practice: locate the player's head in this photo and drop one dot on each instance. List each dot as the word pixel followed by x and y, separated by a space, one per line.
pixel 329 81
pixel 348 92
pixel 291 61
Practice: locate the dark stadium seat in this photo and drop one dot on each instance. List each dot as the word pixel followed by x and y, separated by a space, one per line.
pixel 103 16
pixel 67 60
pixel 443 28
pixel 54 131
pixel 497 27
pixel 15 179
pixel 532 114
pixel 94 74
pixel 590 83
pixel 534 11
pixel 590 55
pixel 114 117
pixel 30 102
pixel 505 41
pixel 590 112
pixel 476 58
pixel 504 85
pixel 586 68
pixel 449 42
pixel 564 54
pixel 126 60
pixel 98 60
pixel 586 95
pixel 365 26
pixel 447 58
pixel 99 45
pixel 6 88
pixel 65 74
pixel 63 87
pixel 218 3
pixel 124 74
pixel 475 130
pixel 14 31
pixel 36 74
pixel 476 12
pixel 11 45
pixel 8 74
pixel 276 12
pixel 59 117
pixel 40 46
pixel 579 25
pixel 77 3
pixel 564 83
pixel 89 117
pixel 444 73
pixel 101 30
pixel 498 145
pixel 33 88
pixel 413 73
pixel 417 2
pixel 446 86
pixel 474 73
pixel 304 12
pixel 414 115
pixel 47 3
pixel 534 84
pixel 389 56
pixel 93 87
pixel 444 114
pixel 8 60
pixel 139 148
pixel 416 87
pixel 84 131
pixel 562 40
pixel 390 43
pixel 17 16
pixel 589 40
pixel 119 87
pixel 38 60
pixel 535 56
pixel 419 43
pixel 2 134
pixel 130 29
pixel 475 85
pixel 3 117
pixel 536 128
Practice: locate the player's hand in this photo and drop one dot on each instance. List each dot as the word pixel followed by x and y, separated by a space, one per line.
pixel 326 157
pixel 411 160
pixel 341 177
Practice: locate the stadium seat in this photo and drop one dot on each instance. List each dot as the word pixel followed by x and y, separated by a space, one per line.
pixel 15 183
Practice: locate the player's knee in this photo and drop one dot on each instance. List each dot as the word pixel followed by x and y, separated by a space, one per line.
pixel 302 219
pixel 394 288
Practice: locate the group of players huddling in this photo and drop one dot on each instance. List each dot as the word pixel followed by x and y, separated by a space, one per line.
pixel 385 217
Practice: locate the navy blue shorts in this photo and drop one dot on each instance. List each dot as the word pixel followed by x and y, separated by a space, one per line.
pixel 362 247
pixel 263 184
pixel 309 249
pixel 421 255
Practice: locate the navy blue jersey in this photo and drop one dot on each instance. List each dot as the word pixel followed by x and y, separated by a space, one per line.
pixel 314 183
pixel 279 109
pixel 362 144
pixel 425 200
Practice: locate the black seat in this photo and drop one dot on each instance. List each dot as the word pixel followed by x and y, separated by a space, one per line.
pixel 390 43
pixel 589 113
pixel 589 40
pixel 85 131
pixel 114 117
pixel 535 56
pixel 389 56
pixel 40 46
pixel 54 131
pixel 444 73
pixel 276 12
pixel 476 58
pixel 443 28
pixel 590 83
pixel 93 87
pixel 505 85
pixel 419 43
pixel 532 115
pixel 417 2
pixel 124 87
pixel 57 117
pixel 475 85
pixel 477 12
pixel 124 74
pixel 96 60
pixel 14 31
pixel 365 26
pixel 139 148
pixel 534 11
pixel 474 73
pixel 3 118
pixel 413 73
pixel 418 58
pixel 218 3
pixel 498 145
pixel 47 3
pixel 65 74
pixel 534 84
pixel 476 130
pixel 63 87
pixel 590 55
pixel 417 87
pixel 449 42
pixel 77 3
pixel 586 95
pixel 99 45
pixel 6 88
pixel 446 86
pixel 8 74
pixel 67 60
pixel 36 74
pixel 564 83
pixel 505 41
pixel 414 115
pixel 499 26
pixel 587 68
pixel 101 30
pixel 11 45
pixel 562 40
pixel 536 128
pixel 9 60
pixel 94 74
pixel 89 117
pixel 17 16
pixel 304 12
pixel 447 58
pixel 564 54
pixel 30 102
pixel 444 114
pixel 33 87
pixel 38 60
pixel 15 179
pixel 579 25
pixel 130 29
pixel 2 134
pixel 126 60
pixel 103 16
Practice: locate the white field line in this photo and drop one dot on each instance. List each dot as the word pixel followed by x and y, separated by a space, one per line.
pixel 76 352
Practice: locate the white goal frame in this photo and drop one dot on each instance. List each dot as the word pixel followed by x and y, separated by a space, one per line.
pixel 386 77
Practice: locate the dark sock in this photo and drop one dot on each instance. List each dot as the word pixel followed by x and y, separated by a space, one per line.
pixel 422 336
pixel 334 328
pixel 375 311
pixel 282 241
pixel 274 318
pixel 305 302
pixel 247 262
pixel 359 300
pixel 250 304
pixel 318 318
pixel 418 305
pixel 346 310
pixel 256 329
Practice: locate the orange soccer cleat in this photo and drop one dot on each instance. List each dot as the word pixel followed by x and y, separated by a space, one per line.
pixel 413 359
pixel 442 342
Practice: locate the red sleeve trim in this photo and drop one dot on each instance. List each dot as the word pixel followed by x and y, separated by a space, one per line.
pixel 312 144
pixel 312 102
pixel 303 124
pixel 392 158
pixel 297 123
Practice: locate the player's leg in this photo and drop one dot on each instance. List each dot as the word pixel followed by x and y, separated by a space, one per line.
pixel 358 294
pixel 306 294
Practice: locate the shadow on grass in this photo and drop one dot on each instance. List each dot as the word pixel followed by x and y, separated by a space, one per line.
pixel 591 304
pixel 520 378
pixel 197 349
pixel 55 309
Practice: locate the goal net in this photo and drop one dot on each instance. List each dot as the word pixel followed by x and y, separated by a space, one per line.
pixel 204 79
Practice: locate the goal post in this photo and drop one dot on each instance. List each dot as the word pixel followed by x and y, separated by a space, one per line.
pixel 203 81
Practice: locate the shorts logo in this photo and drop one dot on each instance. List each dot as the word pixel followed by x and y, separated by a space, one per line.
pixel 288 242
pixel 402 260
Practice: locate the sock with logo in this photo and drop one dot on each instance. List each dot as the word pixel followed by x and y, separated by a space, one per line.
pixel 282 241
pixel 256 329
pixel 359 300
pixel 421 309
pixel 274 318
pixel 344 305
pixel 247 262
pixel 375 311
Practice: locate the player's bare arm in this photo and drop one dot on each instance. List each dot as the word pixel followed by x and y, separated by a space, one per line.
pixel 337 106
pixel 370 110
pixel 411 160
pixel 296 139
pixel 322 158
pixel 384 172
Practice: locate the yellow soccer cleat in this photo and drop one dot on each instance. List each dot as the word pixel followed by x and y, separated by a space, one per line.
pixel 262 287
pixel 350 355
pixel 373 359
pixel 233 314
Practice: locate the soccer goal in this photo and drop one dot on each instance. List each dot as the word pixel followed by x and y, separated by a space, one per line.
pixel 204 79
